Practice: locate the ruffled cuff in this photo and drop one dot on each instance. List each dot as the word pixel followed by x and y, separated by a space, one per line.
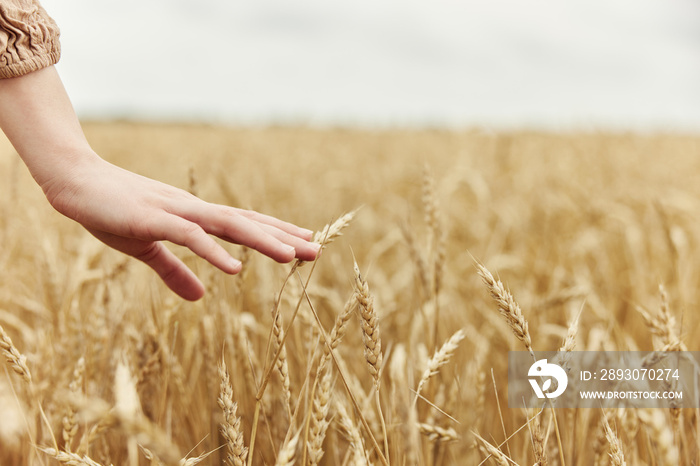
pixel 29 38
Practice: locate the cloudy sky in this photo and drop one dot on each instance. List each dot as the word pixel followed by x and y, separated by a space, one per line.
pixel 590 64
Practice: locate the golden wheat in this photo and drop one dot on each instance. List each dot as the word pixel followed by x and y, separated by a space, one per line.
pixel 582 226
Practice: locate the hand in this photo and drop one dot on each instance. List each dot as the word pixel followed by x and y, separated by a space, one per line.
pixel 133 214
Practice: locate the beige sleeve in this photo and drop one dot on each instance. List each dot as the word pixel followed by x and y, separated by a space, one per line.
pixel 28 38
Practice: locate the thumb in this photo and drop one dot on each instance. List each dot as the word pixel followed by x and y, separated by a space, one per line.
pixel 176 275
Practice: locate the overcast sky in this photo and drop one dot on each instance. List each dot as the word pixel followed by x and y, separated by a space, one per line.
pixel 591 64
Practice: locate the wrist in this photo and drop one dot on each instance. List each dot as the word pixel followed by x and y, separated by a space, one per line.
pixel 61 172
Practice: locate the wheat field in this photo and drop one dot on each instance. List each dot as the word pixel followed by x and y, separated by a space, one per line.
pixel 444 250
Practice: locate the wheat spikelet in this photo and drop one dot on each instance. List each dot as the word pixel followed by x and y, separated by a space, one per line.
pixel 507 306
pixel 437 433
pixel 282 362
pixel 287 454
pixel 319 416
pixel 359 455
pixel 430 207
pixel 568 345
pixel 333 230
pixel 16 360
pixel 71 459
pixel 370 326
pixel 130 418
pixel 193 460
pixel 617 456
pixel 539 445
pixel 338 331
pixel 436 234
pixel 416 254
pixel 231 426
pixel 70 424
pixel 494 453
pixel 439 261
pixel 661 435
pixel 441 357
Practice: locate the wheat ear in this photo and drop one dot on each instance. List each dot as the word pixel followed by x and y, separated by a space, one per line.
pixel 70 424
pixel 319 416
pixel 617 457
pixel 16 360
pixel 231 426
pixel 282 363
pixel 507 306
pixel 287 453
pixel 333 230
pixel 370 326
pixel 71 459
pixel 441 357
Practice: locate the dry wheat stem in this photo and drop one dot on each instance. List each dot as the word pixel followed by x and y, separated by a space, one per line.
pixel 268 368
pixel 343 378
pixel 336 335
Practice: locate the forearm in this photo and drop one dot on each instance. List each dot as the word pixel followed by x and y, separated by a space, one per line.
pixel 38 118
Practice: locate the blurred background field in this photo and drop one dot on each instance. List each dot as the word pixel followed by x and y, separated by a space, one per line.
pixel 569 222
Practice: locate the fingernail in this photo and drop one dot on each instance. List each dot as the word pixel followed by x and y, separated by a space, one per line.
pixel 290 249
pixel 235 263
pixel 307 232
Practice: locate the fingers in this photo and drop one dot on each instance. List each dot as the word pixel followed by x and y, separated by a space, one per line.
pixel 287 227
pixel 275 238
pixel 176 275
pixel 185 233
pixel 303 249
